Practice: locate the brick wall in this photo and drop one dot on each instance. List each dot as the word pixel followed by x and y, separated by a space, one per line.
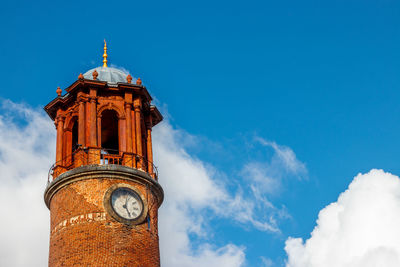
pixel 84 234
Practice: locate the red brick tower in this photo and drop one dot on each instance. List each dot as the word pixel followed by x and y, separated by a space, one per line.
pixel 103 193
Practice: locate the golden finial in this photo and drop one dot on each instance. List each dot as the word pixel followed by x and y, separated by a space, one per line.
pixel 105 55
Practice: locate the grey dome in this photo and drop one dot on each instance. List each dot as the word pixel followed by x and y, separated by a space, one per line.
pixel 110 75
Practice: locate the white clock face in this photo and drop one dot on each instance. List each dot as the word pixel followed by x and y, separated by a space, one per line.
pixel 126 203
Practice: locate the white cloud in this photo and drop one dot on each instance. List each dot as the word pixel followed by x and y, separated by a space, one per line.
pixel 193 187
pixel 360 229
pixel 190 191
pixel 27 144
pixel 26 150
pixel 266 177
pixel 267 262
pixel 193 194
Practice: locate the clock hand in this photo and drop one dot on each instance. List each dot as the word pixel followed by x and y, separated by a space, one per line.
pixel 126 206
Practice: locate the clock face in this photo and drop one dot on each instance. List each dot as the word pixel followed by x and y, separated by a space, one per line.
pixel 126 203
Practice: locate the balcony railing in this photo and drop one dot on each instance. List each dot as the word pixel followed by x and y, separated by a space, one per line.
pixel 110 159
pixel 100 156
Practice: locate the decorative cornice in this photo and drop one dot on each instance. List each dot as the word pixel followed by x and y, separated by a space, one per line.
pixel 103 172
pixel 83 84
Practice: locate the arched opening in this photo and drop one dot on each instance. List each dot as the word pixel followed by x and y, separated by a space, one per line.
pixel 109 132
pixel 75 136
pixel 70 141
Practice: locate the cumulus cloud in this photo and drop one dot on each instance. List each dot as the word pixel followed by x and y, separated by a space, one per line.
pixel 26 150
pixel 360 229
pixel 195 193
pixel 27 144
pixel 190 190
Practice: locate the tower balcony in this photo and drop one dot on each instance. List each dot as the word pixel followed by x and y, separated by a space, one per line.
pixel 101 156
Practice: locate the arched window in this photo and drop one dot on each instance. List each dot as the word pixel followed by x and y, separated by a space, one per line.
pixel 70 141
pixel 109 132
pixel 75 136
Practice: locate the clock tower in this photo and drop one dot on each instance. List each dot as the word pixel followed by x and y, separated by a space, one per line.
pixel 103 191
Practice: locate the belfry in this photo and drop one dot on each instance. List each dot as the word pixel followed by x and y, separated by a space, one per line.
pixel 103 191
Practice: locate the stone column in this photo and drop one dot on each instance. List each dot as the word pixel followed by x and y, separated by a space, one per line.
pixel 93 122
pixel 149 147
pixel 99 131
pixel 81 123
pixel 121 134
pixel 128 136
pixel 138 124
pixel 60 138
pixel 133 116
pixel 87 123
pixel 67 147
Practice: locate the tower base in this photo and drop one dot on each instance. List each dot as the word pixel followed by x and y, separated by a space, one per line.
pixel 83 233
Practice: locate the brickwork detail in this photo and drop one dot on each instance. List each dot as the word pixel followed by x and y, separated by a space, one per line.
pixel 84 234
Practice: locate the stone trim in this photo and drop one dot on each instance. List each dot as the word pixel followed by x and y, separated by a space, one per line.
pixel 103 172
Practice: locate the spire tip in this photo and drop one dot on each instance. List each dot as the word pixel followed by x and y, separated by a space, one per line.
pixel 105 54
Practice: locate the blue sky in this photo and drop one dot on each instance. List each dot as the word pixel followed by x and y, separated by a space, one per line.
pixel 319 78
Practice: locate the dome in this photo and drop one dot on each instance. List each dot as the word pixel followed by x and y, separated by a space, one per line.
pixel 109 75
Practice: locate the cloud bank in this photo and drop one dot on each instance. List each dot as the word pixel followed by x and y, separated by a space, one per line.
pixel 27 141
pixel 189 191
pixel 196 193
pixel 193 190
pixel 360 229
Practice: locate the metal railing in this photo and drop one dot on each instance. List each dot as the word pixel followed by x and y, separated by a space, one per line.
pixel 101 156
